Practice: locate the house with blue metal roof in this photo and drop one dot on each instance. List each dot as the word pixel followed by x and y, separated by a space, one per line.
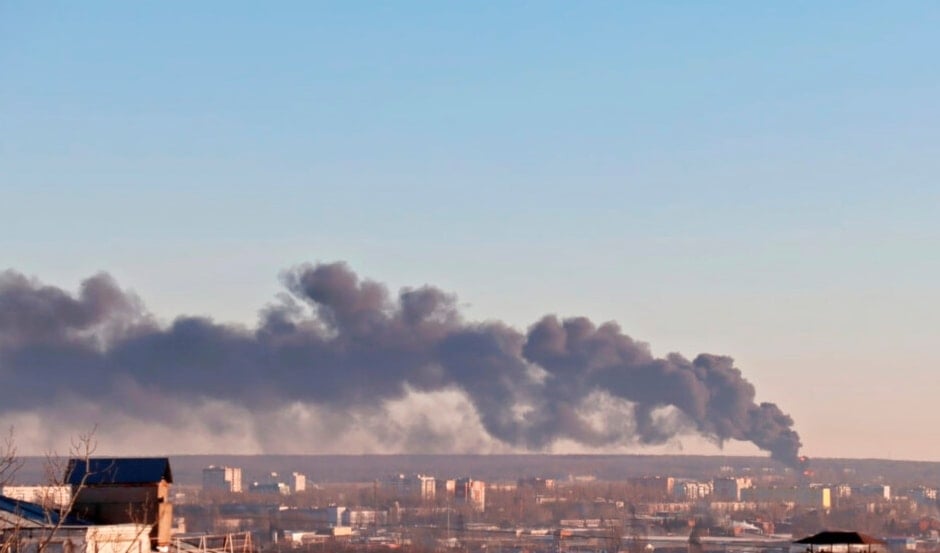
pixel 25 513
pixel 116 490
pixel 110 471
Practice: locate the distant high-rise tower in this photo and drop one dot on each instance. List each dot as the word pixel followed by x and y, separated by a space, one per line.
pixel 226 479
pixel 299 482
pixel 417 486
pixel 471 492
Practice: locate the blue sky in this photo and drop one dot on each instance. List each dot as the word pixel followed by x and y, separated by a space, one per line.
pixel 755 179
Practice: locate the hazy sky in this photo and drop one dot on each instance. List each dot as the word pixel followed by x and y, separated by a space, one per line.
pixel 746 178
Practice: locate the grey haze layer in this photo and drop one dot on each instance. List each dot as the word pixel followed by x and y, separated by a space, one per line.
pixel 341 342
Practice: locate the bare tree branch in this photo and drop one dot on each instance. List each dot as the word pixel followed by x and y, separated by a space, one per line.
pixel 10 463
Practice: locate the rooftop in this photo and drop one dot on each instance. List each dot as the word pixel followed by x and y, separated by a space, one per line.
pixel 834 537
pixel 118 470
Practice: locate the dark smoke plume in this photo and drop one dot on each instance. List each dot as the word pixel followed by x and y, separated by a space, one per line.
pixel 341 342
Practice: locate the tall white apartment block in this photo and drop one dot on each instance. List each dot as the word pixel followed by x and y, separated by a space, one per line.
pixel 226 479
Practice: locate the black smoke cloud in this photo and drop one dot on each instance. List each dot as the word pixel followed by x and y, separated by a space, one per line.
pixel 340 342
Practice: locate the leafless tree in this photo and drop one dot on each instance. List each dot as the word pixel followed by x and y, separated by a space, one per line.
pixel 9 461
pixel 56 513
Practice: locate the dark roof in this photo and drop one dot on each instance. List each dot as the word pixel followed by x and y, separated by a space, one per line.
pixel 36 513
pixel 118 470
pixel 832 537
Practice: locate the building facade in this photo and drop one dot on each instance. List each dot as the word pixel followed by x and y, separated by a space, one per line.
pixel 299 482
pixel 224 479
pixel 417 486
pixel 816 496
pixel 729 488
pixel 468 491
pixel 124 491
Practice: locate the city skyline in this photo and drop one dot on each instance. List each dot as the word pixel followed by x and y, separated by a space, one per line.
pixel 746 180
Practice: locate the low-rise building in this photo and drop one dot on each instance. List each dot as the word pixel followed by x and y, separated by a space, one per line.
pixel 539 485
pixel 691 490
pixel 28 527
pixel 50 496
pixel 813 496
pixel 271 484
pixel 652 488
pixel 360 518
pixel 839 542
pixel 873 491
pixel 729 488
